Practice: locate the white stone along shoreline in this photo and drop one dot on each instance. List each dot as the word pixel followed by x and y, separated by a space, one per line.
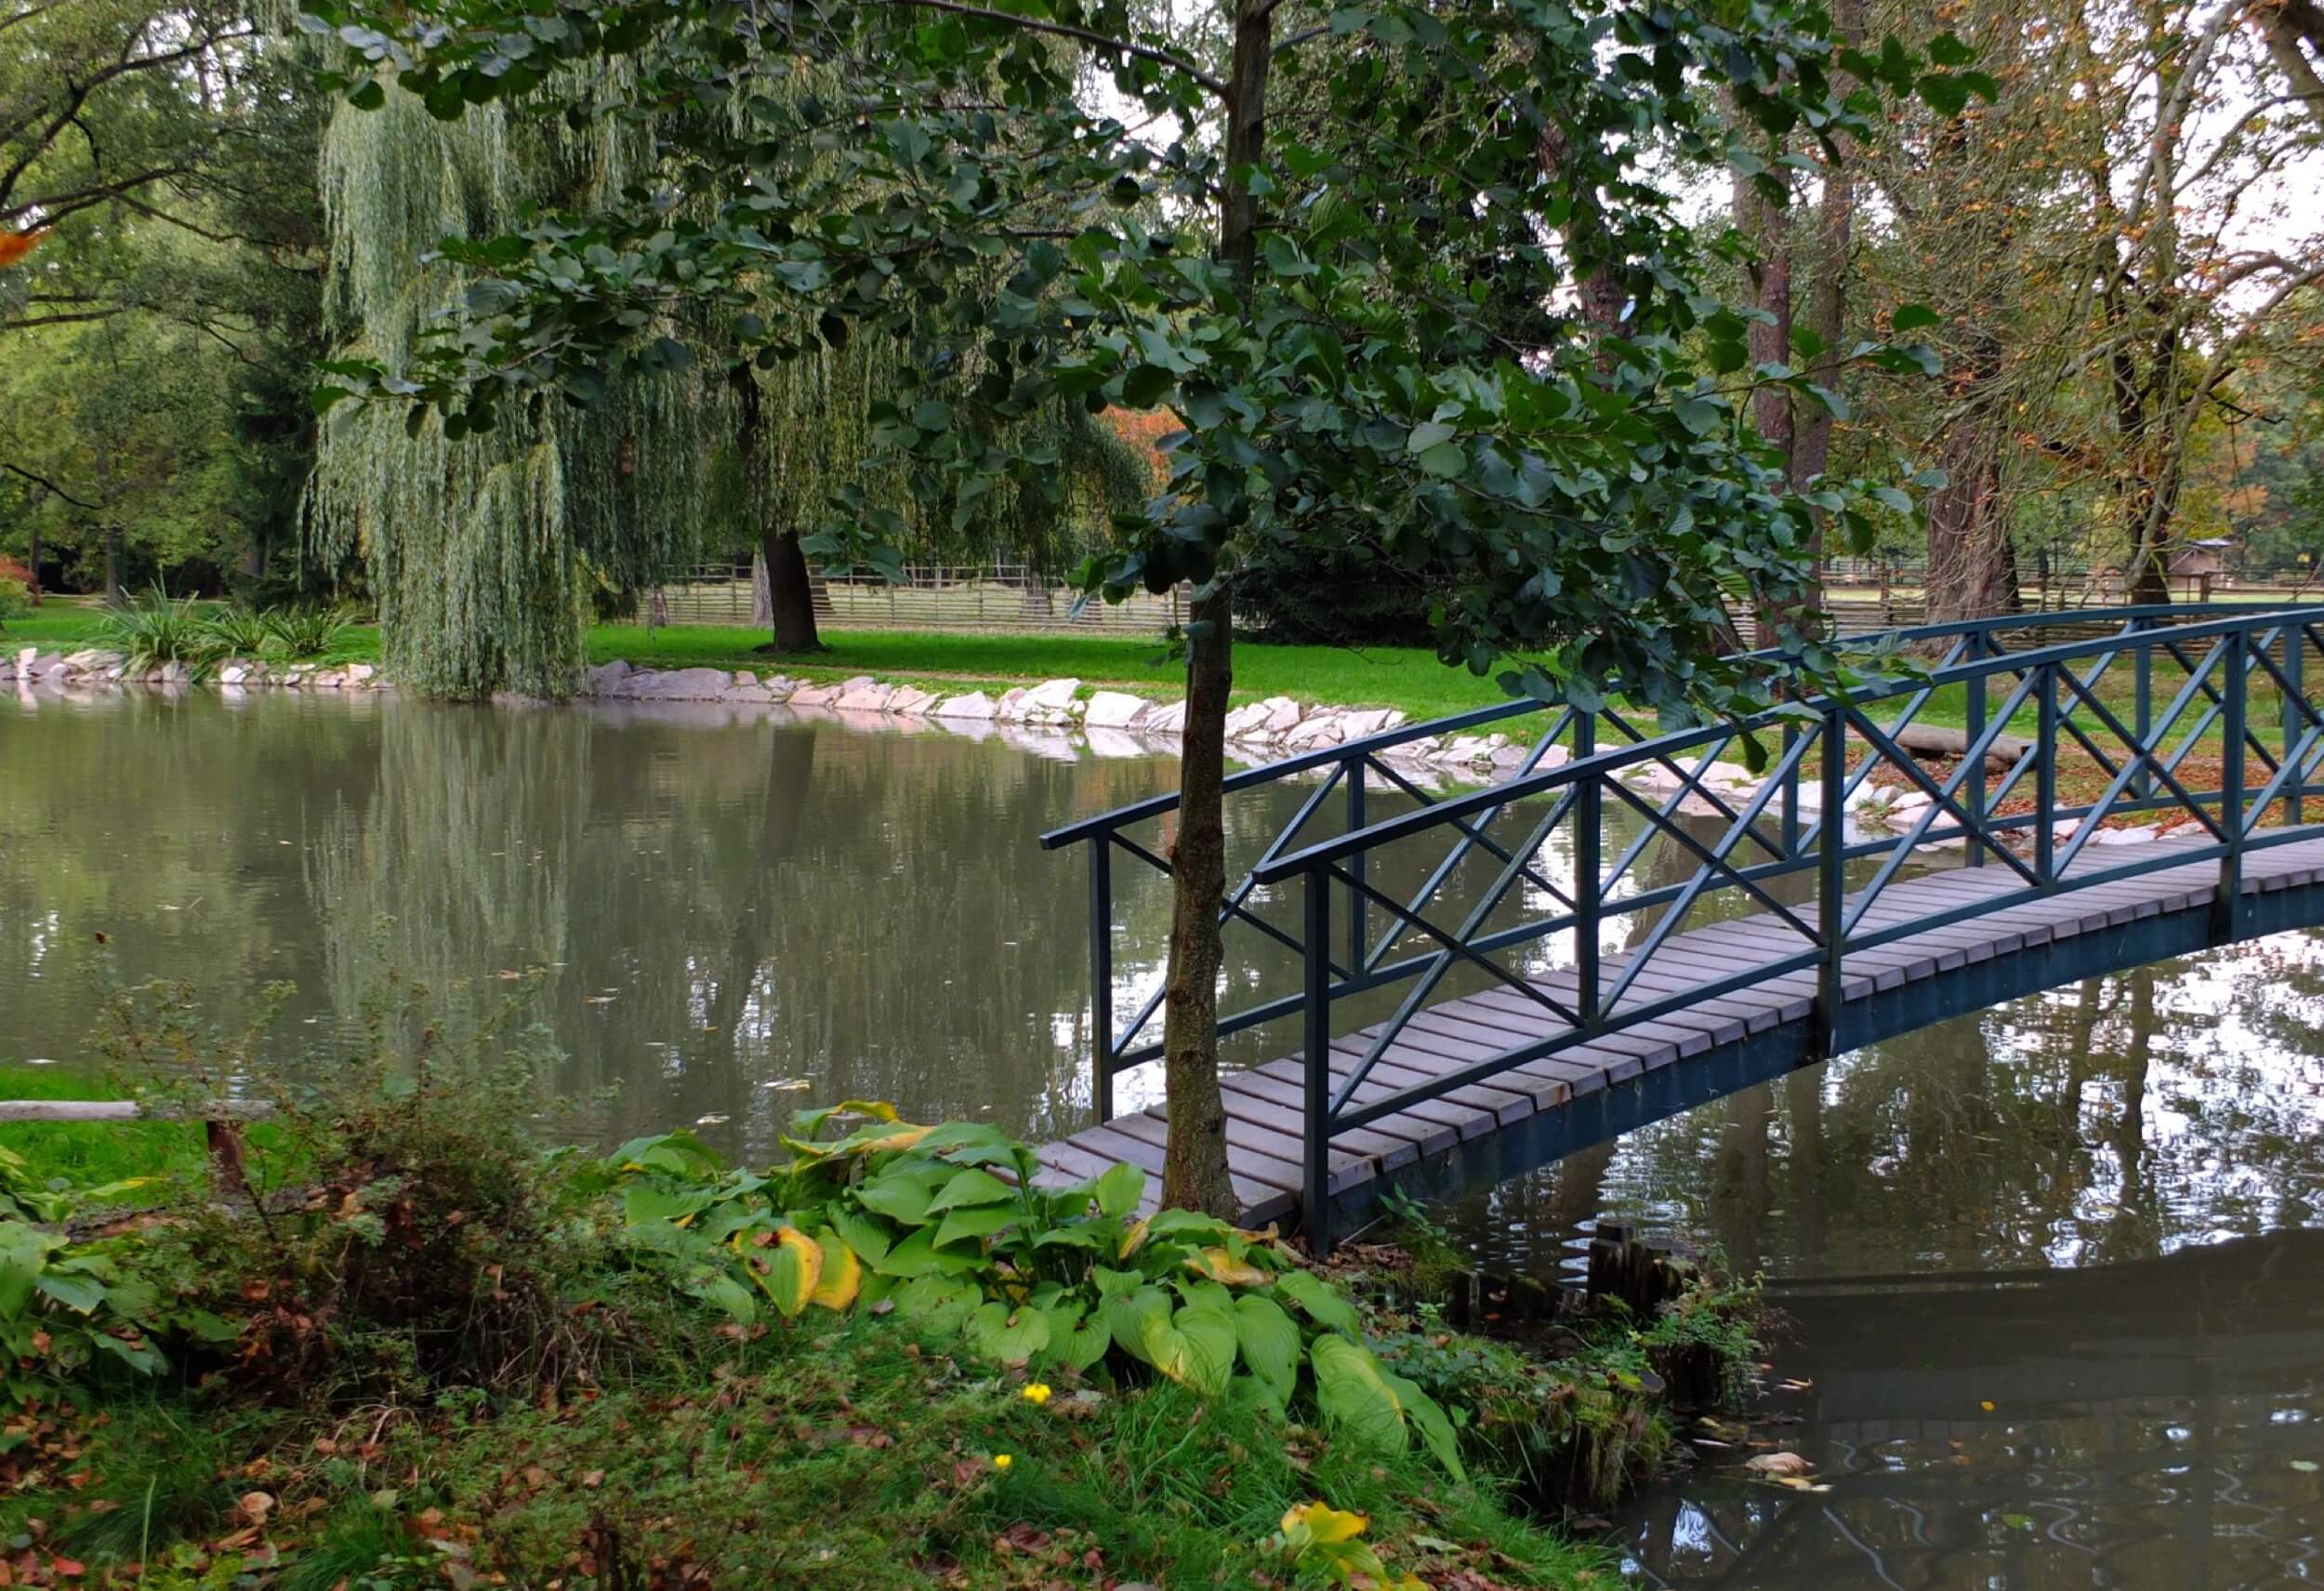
pixel 1054 718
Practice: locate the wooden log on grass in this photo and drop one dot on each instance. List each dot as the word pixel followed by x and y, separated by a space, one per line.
pixel 1934 741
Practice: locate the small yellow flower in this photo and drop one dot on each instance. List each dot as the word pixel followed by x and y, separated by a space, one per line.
pixel 1002 1461
pixel 1037 1393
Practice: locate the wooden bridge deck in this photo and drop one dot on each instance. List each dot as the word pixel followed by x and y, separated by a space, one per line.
pixel 1592 1091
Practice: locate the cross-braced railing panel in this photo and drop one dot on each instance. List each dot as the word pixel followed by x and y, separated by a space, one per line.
pixel 1566 893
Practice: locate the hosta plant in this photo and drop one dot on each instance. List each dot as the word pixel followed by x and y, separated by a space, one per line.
pixel 947 1229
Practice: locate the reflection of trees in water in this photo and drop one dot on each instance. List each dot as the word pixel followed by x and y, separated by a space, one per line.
pixel 2108 1120
pixel 763 901
pixel 172 827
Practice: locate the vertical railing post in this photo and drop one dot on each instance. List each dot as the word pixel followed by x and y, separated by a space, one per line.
pixel 2295 720
pixel 1791 796
pixel 1358 930
pixel 1831 877
pixel 1316 1124
pixel 1102 972
pixel 1588 820
pixel 1972 787
pixel 2143 782
pixel 2045 836
pixel 2224 905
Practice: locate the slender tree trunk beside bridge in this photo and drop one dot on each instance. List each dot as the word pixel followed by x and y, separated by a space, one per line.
pixel 1194 1173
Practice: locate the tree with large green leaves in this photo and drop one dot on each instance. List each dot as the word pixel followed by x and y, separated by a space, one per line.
pixel 1362 314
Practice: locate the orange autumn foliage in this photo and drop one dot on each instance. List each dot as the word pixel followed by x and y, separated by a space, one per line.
pixel 16 246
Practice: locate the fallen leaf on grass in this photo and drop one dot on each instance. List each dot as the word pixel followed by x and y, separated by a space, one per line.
pixel 1778 1463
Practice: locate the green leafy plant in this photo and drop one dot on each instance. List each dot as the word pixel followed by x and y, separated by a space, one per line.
pixel 15 601
pixel 299 633
pixel 156 629
pixel 1322 1539
pixel 950 1228
pixel 238 633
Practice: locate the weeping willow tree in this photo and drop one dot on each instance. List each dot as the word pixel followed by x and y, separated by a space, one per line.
pixel 806 425
pixel 485 550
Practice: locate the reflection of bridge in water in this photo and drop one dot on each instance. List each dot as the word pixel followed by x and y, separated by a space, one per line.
pixel 2141 1425
pixel 1623 928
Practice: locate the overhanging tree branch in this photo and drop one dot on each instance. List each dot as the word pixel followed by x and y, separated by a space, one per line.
pixel 1178 63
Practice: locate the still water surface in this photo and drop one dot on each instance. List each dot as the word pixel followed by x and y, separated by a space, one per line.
pixel 2052 1272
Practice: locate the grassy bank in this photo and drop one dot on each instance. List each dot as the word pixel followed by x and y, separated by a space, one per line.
pixel 431 1356
pixel 1410 679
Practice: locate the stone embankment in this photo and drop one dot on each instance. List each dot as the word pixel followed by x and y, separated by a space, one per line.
pixel 1110 722
pixel 29 665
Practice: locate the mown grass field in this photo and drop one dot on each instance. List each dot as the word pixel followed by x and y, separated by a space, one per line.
pixel 1410 679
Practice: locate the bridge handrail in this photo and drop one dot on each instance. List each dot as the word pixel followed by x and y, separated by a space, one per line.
pixel 1678 742
pixel 1494 712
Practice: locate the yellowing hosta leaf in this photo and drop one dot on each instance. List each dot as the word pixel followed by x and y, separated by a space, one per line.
pixel 1326 1523
pixel 1131 1240
pixel 1195 1348
pixel 1219 1266
pixel 794 1270
pixel 842 1273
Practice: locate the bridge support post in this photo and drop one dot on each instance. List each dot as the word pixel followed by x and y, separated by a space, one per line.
pixel 2045 834
pixel 1588 821
pixel 1832 881
pixel 1358 930
pixel 1973 787
pixel 2226 904
pixel 2295 719
pixel 1101 976
pixel 1315 1206
pixel 2143 668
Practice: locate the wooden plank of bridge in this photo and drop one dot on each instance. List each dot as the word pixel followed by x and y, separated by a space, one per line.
pixel 1265 1104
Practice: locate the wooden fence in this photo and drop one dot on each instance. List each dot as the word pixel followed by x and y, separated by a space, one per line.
pixel 998 597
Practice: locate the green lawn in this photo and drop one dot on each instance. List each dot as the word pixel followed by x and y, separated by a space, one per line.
pixel 1407 678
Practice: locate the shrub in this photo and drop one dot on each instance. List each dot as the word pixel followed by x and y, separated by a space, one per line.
pixel 946 1228
pixel 295 634
pixel 405 1234
pixel 154 631
pixel 237 632
pixel 15 600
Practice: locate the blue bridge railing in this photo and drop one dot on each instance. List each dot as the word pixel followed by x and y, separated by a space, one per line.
pixel 2217 729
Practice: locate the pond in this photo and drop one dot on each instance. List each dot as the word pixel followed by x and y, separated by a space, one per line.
pixel 2054 1298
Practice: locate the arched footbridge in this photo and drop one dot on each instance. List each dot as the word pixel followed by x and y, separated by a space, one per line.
pixel 1433 989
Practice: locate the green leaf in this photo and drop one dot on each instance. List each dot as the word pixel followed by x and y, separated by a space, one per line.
pixel 1444 460
pixel 901 1196
pixel 971 1186
pixel 1947 49
pixel 981 1221
pixel 937 1304
pixel 866 1237
pixel 80 1292
pixel 1322 1306
pixel 1074 1337
pixel 1120 1188
pixel 1353 1391
pixel 919 1255
pixel 1270 1343
pixel 1007 1338
pixel 1432 434
pixel 1195 1348
pixel 1428 1417
pixel 1125 1315
pixel 642 1204
pixel 24 1255
pixel 1946 95
pixel 1913 317
pixel 1146 386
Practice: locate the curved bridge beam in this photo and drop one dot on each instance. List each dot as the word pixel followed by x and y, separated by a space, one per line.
pixel 1594 996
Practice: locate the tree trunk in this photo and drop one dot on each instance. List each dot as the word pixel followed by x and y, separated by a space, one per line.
pixel 113 566
pixel 1768 287
pixel 790 589
pixel 1972 568
pixel 1193 1161
pixel 32 567
pixel 1194 1164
